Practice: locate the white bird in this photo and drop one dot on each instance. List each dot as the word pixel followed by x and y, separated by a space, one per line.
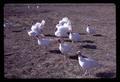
pixel 74 37
pixel 90 30
pixel 86 63
pixel 43 22
pixel 67 25
pixel 32 33
pixel 61 32
pixel 34 28
pixel 58 26
pixel 64 48
pixel 38 27
pixel 46 42
pixel 64 20
pixel 63 29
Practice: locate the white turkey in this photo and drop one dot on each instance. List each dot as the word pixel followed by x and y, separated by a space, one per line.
pixel 90 30
pixel 46 42
pixel 61 32
pixel 36 29
pixel 87 63
pixel 74 37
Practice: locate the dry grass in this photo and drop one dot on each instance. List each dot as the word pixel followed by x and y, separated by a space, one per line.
pixel 23 58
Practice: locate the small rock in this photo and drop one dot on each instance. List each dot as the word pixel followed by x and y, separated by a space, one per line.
pixel 15 47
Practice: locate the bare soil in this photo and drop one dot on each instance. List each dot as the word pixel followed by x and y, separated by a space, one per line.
pixel 23 58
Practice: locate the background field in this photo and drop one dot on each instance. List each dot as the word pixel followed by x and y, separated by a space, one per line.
pixel 23 58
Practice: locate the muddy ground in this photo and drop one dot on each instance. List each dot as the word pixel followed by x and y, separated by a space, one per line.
pixel 23 58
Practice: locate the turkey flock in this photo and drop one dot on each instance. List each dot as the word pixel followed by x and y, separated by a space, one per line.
pixel 63 29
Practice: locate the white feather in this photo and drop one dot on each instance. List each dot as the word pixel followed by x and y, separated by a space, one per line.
pixel 90 30
pixel 32 33
pixel 44 42
pixel 74 36
pixel 38 27
pixel 87 63
pixel 65 22
pixel 62 32
pixel 65 48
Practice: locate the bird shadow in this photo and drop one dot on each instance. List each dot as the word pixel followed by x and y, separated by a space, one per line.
pixel 87 41
pixel 89 46
pixel 105 74
pixel 82 33
pixel 98 35
pixel 17 31
pixel 49 35
pixel 67 40
pixel 75 57
pixel 55 51
pixel 77 41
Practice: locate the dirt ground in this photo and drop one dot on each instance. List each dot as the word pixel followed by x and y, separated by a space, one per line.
pixel 23 58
